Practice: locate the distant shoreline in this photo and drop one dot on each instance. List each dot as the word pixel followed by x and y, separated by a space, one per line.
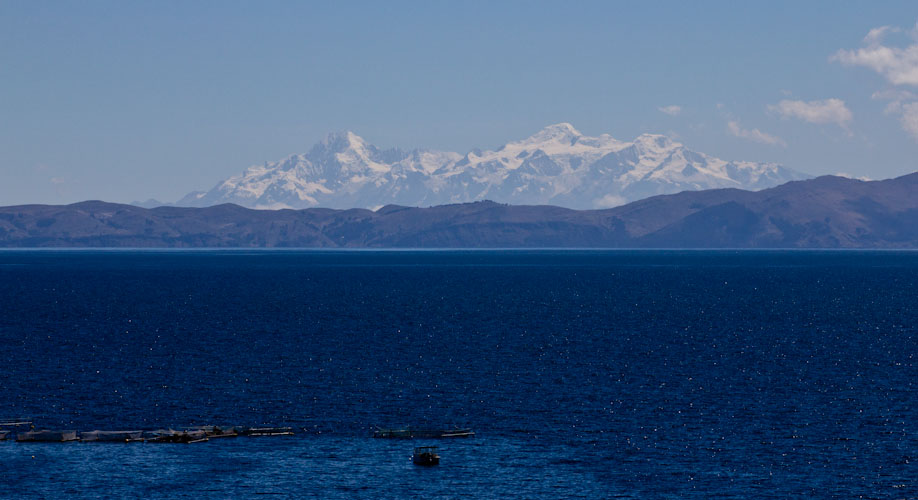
pixel 823 213
pixel 239 250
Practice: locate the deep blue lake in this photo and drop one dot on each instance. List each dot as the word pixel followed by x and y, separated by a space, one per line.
pixel 591 374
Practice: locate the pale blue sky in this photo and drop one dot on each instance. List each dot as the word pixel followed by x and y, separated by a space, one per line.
pixel 126 100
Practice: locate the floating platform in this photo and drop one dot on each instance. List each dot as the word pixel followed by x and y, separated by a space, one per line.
pixel 45 436
pixel 112 436
pixel 212 431
pixel 411 433
pixel 15 422
pixel 264 431
pixel 171 436
pixel 195 434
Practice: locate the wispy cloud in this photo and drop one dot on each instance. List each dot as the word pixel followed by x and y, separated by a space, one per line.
pixel 899 65
pixel 852 176
pixel 875 36
pixel 672 110
pixel 755 135
pixel 896 96
pixel 826 111
pixel 609 201
pixel 909 118
pixel 902 103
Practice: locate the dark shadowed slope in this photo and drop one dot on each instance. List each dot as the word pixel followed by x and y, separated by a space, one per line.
pixel 826 212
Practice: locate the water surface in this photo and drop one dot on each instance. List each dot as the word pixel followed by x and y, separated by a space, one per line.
pixel 644 374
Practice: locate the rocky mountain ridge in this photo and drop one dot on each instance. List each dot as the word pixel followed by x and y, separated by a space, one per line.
pixel 557 166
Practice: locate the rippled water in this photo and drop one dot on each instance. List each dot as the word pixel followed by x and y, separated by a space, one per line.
pixel 591 374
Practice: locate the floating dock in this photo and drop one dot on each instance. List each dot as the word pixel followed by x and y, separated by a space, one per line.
pixel 412 433
pixel 46 436
pixel 112 436
pixel 198 434
pixel 171 436
pixel 265 431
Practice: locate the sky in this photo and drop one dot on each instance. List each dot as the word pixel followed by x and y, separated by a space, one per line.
pixel 130 100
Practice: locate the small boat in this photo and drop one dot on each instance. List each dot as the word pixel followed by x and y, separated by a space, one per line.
pixel 45 436
pixel 112 436
pixel 265 431
pixel 410 433
pixel 426 455
pixel 4 435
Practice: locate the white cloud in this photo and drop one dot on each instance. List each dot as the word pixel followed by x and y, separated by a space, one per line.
pixel 903 103
pixel 609 201
pixel 896 99
pixel 756 135
pixel 827 111
pixel 894 95
pixel 672 110
pixel 875 36
pixel 899 65
pixel 852 176
pixel 909 118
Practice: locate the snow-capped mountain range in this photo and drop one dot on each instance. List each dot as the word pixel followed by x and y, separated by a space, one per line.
pixel 556 166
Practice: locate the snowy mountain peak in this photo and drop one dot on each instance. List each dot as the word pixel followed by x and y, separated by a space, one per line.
pixel 557 165
pixel 656 141
pixel 559 132
pixel 356 142
pixel 340 141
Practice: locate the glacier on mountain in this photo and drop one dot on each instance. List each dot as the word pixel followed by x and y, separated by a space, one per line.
pixel 556 166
